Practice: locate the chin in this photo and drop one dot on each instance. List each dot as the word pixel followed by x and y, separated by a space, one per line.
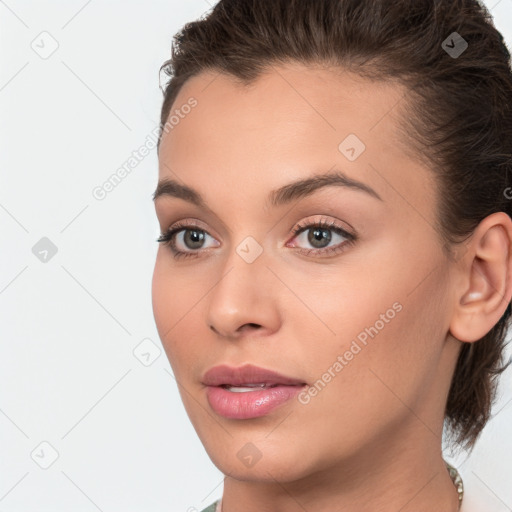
pixel 259 461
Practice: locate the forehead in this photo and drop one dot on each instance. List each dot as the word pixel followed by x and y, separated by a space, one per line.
pixel 289 123
pixel 296 96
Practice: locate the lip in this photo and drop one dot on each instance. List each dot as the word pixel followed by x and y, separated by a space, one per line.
pixel 249 404
pixel 247 374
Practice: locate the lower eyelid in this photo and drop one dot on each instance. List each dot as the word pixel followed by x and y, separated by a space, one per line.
pixel 174 232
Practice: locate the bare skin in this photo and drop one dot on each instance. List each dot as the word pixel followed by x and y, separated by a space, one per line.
pixel 370 440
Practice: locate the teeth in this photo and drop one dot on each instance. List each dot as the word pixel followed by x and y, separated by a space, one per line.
pixel 239 390
pixel 245 389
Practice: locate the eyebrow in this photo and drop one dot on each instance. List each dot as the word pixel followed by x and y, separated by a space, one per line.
pixel 283 195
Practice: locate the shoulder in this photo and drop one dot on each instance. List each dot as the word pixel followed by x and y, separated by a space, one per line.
pixel 212 507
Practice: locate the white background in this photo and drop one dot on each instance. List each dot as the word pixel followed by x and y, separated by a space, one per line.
pixel 69 376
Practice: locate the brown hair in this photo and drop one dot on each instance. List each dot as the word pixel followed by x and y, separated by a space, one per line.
pixel 458 118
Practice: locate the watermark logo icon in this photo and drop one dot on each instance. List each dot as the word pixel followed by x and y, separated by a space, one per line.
pixel 44 250
pixel 351 147
pixel 44 455
pixel 249 454
pixel 147 352
pixel 45 45
pixel 454 45
pixel 249 249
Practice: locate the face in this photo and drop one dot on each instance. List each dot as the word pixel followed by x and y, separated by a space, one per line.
pixel 344 288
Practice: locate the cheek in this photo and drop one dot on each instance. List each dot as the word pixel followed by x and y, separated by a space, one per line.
pixel 382 333
pixel 180 298
pixel 162 297
pixel 172 301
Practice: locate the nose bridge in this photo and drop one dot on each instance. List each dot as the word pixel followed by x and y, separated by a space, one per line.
pixel 242 294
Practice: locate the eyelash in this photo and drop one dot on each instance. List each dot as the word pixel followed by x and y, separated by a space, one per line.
pixel 169 239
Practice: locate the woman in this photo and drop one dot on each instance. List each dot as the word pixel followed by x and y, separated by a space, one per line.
pixel 334 279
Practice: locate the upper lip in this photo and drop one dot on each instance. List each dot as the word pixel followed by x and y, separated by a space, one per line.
pixel 247 374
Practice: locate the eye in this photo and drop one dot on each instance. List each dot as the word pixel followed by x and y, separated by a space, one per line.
pixel 185 240
pixel 320 234
pixel 188 239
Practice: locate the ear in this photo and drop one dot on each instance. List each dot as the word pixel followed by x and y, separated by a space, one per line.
pixel 484 287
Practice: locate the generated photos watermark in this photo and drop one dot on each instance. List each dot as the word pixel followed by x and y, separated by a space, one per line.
pixel 356 346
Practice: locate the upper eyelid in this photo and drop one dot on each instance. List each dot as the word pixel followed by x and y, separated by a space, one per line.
pixel 297 229
pixel 303 224
pixel 208 211
pixel 186 224
pixel 350 239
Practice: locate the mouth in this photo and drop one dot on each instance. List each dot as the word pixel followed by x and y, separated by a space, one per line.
pixel 247 376
pixel 250 401
pixel 249 391
pixel 252 387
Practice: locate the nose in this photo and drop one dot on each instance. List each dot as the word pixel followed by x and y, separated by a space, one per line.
pixel 245 299
pixel 245 328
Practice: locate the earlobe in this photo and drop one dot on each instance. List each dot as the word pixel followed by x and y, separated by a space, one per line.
pixel 486 288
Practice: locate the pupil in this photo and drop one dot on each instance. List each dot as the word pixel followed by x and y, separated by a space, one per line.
pixel 194 241
pixel 318 236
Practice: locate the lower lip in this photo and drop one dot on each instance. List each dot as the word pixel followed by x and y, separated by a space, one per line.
pixel 250 404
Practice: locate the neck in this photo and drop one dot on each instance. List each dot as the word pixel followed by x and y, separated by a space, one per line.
pixel 406 476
